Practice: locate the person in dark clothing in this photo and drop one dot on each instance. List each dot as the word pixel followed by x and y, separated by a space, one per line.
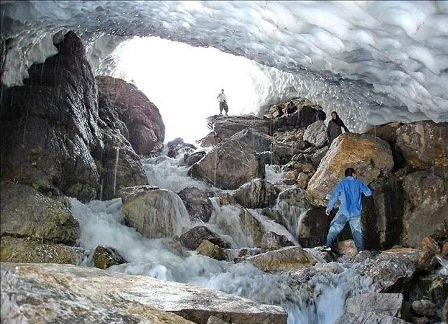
pixel 348 191
pixel 334 127
pixel 291 108
pixel 279 111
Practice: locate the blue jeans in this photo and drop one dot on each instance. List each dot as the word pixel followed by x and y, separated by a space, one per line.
pixel 337 225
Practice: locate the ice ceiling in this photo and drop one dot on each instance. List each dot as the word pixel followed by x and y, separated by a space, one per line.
pixel 374 62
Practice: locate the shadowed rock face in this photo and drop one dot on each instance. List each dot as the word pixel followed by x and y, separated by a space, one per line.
pixel 141 117
pixel 98 296
pixel 49 126
pixel 424 144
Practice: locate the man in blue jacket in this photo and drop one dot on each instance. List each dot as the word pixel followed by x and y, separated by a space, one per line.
pixel 348 190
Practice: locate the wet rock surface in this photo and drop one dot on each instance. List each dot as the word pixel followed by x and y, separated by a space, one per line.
pixel 141 117
pixel 104 296
pixel 196 235
pixel 197 203
pixel 256 194
pixel 104 257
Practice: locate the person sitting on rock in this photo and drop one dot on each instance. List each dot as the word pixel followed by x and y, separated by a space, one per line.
pixel 291 107
pixel 222 102
pixel 334 127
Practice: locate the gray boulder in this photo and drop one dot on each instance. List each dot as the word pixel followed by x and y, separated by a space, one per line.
pixel 154 212
pixel 197 203
pixel 316 134
pixel 193 238
pixel 287 258
pixel 104 257
pixel 225 127
pixel 234 162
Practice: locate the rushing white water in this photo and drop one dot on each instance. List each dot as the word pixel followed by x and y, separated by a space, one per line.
pixel 319 299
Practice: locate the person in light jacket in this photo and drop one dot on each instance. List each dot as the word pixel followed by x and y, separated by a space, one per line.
pixel 348 191
pixel 222 102
pixel 334 127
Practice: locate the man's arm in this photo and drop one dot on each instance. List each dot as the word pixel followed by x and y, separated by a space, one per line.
pixel 365 189
pixel 333 198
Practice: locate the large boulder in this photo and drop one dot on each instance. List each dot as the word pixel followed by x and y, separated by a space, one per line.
pixel 379 303
pixel 370 156
pixel 256 194
pixel 141 117
pixel 234 162
pixel 425 206
pixel 49 127
pixel 27 213
pixel 154 212
pixel 316 134
pixel 105 256
pixel 97 296
pixel 177 147
pixel 423 144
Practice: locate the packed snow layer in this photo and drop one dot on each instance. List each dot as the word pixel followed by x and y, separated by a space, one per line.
pixel 373 62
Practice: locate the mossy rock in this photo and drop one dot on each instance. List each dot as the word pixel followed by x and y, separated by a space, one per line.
pixel 28 251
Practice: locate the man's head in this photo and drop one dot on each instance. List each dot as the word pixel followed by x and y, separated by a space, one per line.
pixel 350 172
pixel 222 90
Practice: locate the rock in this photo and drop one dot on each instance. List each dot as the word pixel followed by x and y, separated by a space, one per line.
pixel 105 296
pixel 141 116
pixel 178 146
pixel 365 317
pixel 302 180
pixel 382 216
pixel 27 213
pixel 314 227
pixel 290 177
pixel 429 244
pixel 316 134
pixel 116 174
pixel 387 132
pixel 371 158
pixel 211 250
pixel 270 158
pixel 23 250
pixel 192 158
pixel 211 139
pixel 215 320
pixel 445 249
pixel 256 194
pixel 104 257
pixel 445 311
pixel 154 213
pixel 193 238
pixel 273 241
pixel 388 270
pixel 425 207
pixel 286 258
pixel 288 144
pixel 197 203
pixel 424 307
pixel 226 127
pixel 253 229
pixel 347 247
pixel 423 144
pixel 378 303
pixel 305 116
pixel 232 163
pixel 119 165
pixel 49 127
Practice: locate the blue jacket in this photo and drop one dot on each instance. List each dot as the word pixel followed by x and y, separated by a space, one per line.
pixel 349 190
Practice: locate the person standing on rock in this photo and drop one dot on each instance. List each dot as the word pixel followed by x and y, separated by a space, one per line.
pixel 334 127
pixel 348 191
pixel 222 102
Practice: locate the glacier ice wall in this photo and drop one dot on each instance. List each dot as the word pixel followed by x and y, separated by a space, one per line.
pixel 372 61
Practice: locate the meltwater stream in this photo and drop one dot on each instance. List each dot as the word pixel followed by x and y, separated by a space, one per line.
pixel 318 299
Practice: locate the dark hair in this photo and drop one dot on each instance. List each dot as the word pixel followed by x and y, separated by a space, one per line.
pixel 338 120
pixel 349 172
